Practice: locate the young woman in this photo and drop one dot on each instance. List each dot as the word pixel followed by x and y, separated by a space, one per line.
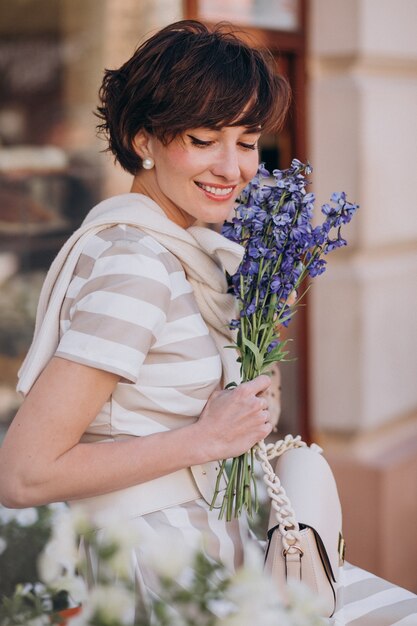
pixel 125 409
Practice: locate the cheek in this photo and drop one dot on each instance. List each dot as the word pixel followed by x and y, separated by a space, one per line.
pixel 180 161
pixel 251 166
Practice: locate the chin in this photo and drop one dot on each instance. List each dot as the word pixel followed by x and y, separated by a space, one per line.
pixel 216 219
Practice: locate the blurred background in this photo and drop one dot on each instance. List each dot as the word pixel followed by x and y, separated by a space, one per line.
pixel 353 69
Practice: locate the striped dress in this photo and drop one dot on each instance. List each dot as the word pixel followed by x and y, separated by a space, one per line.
pixel 130 310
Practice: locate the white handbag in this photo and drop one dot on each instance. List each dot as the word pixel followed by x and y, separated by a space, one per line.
pixel 305 541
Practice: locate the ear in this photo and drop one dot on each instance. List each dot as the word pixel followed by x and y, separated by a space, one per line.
pixel 142 144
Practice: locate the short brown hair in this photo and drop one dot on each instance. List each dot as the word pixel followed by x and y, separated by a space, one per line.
pixel 187 76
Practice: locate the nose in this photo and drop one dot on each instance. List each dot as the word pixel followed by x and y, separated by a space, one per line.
pixel 227 164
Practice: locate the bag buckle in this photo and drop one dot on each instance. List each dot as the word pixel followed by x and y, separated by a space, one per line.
pixel 293 549
pixel 292 559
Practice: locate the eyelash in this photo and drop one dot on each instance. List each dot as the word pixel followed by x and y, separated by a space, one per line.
pixel 199 143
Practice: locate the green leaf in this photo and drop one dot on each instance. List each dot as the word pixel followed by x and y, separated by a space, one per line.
pixel 255 351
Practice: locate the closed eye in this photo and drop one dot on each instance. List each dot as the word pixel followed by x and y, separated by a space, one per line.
pixel 199 142
pixel 249 146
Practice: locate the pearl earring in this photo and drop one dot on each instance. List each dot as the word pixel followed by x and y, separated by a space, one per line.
pixel 148 163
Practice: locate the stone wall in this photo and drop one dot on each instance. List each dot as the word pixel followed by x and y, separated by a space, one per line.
pixel 363 123
pixel 363 139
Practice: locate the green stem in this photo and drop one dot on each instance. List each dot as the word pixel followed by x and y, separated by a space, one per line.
pixel 231 489
pixel 222 472
pixel 239 491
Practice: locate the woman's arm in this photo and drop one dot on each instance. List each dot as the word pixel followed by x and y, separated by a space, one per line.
pixel 42 461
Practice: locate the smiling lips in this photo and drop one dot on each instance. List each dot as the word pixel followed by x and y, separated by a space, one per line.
pixel 218 192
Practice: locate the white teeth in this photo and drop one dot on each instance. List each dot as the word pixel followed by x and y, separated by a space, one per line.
pixel 217 190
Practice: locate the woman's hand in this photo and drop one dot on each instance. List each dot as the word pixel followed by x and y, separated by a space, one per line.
pixel 234 420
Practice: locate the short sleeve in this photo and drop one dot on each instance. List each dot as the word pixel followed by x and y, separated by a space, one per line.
pixel 116 306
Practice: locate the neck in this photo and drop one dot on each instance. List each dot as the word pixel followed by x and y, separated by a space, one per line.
pixel 145 183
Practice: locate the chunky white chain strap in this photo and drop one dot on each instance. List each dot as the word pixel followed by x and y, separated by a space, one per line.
pixel 288 525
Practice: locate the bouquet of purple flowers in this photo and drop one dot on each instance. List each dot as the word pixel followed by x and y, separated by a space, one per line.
pixel 282 249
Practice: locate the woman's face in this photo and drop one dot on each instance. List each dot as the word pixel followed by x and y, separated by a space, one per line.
pixel 199 175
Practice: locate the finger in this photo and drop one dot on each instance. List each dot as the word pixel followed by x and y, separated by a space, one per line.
pixel 259 404
pixel 263 404
pixel 267 429
pixel 266 417
pixel 258 384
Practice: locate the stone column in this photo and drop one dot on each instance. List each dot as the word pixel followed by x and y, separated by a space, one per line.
pixel 363 139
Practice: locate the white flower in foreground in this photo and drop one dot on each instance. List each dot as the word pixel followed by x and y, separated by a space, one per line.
pixel 75 585
pixel 264 617
pixel 27 588
pixel 39 621
pixel 23 517
pixel 253 596
pixel 125 537
pixel 26 517
pixel 49 565
pixel 60 553
pixel 63 532
pixel 250 582
pixel 3 545
pixel 79 520
pixel 6 515
pixel 58 507
pixel 167 554
pixel 304 607
pixel 111 605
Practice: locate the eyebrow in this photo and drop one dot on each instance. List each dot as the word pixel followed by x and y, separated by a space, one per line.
pixel 253 130
pixel 248 130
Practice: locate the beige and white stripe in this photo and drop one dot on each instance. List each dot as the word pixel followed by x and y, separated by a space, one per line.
pixel 129 309
pixel 367 600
